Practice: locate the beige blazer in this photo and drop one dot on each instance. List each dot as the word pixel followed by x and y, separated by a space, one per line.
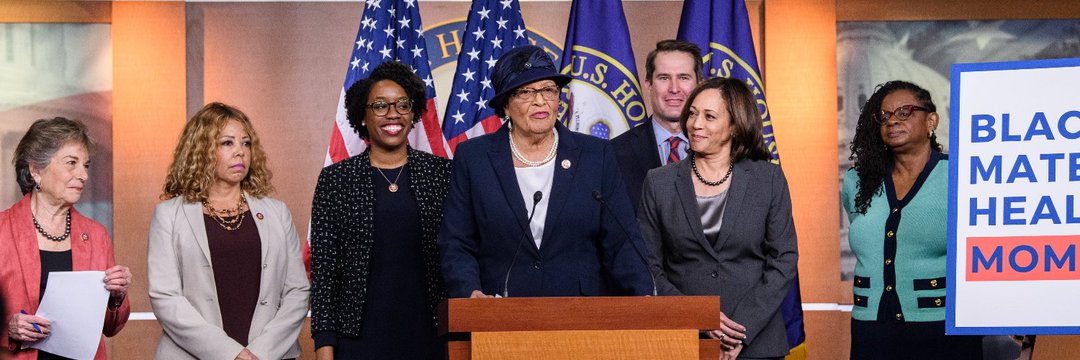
pixel 184 296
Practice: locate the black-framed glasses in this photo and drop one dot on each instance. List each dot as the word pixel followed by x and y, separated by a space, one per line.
pixel 381 108
pixel 902 113
pixel 547 92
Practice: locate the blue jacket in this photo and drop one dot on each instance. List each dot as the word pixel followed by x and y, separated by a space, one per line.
pixel 583 252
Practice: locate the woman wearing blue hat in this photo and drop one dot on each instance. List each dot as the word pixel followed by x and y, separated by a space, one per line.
pixel 535 209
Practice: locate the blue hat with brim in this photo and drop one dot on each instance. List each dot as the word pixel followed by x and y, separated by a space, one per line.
pixel 520 66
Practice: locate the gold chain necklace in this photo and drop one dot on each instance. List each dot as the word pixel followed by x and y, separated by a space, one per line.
pixel 229 219
pixel 393 184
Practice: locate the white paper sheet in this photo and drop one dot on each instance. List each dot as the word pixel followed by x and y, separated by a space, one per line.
pixel 74 303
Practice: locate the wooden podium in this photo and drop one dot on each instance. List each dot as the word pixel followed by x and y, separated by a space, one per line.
pixel 642 327
pixel 1053 347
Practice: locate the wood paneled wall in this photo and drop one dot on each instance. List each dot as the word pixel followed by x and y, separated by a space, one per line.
pixel 148 113
pixel 800 86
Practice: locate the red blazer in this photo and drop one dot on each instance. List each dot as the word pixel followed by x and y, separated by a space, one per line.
pixel 20 269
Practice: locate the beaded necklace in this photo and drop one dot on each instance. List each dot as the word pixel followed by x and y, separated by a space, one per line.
pixel 521 157
pixel 229 219
pixel 693 164
pixel 67 228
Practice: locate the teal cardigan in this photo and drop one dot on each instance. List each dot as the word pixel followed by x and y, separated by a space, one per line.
pixel 900 245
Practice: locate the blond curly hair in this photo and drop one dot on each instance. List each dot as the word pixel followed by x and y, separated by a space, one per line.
pixel 192 170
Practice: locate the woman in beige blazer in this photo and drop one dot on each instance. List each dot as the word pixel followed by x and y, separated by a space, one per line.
pixel 227 279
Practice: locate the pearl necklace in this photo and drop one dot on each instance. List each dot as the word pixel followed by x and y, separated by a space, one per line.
pixel 521 157
pixel 693 165
pixel 62 237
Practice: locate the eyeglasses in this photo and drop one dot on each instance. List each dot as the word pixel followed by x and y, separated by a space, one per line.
pixel 381 108
pixel 547 92
pixel 902 113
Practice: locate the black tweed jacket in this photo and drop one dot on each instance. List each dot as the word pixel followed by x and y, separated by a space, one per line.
pixel 342 236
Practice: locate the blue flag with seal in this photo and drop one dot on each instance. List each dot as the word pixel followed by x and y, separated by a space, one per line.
pixel 722 29
pixel 604 98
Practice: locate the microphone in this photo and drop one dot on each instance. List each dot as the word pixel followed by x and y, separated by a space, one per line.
pixel 528 229
pixel 626 237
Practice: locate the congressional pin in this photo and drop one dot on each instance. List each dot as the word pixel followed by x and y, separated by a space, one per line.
pixel 85 237
pixel 528 66
pixel 566 163
pixel 259 216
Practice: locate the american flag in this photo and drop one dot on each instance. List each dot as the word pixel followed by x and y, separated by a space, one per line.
pixel 493 27
pixel 389 30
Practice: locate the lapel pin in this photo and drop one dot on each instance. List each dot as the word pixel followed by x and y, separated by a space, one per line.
pixel 259 216
pixel 566 163
pixel 85 237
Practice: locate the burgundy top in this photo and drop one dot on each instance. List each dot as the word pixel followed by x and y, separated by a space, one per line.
pixel 235 257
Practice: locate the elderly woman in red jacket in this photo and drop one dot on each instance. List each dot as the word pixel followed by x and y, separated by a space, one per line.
pixel 43 233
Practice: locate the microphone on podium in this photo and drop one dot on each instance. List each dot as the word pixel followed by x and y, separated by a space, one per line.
pixel 537 196
pixel 626 237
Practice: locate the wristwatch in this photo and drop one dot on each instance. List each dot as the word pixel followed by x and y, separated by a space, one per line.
pixel 115 302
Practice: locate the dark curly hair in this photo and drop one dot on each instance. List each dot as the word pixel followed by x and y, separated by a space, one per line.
pixel 356 97
pixel 869 152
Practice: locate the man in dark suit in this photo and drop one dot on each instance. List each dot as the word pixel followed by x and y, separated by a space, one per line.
pixel 672 70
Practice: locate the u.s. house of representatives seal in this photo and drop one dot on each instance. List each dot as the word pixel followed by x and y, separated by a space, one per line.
pixel 604 100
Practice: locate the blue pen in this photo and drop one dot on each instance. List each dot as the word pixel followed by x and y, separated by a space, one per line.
pixel 35 324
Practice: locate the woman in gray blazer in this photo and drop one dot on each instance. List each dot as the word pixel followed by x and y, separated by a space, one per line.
pixel 719 222
pixel 227 280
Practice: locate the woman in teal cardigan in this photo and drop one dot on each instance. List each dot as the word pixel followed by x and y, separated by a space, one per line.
pixel 895 196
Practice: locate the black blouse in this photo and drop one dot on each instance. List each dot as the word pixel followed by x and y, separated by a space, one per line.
pixel 343 227
pixel 236 256
pixel 52 261
pixel 397 323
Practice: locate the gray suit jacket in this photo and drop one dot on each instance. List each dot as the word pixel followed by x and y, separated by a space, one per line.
pixel 184 296
pixel 755 257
